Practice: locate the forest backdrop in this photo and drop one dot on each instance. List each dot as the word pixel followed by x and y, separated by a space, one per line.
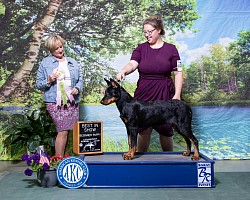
pixel 98 33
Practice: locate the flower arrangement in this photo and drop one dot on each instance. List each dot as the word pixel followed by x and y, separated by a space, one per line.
pixel 36 164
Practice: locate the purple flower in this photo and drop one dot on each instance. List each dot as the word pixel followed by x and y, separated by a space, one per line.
pixel 28 172
pixel 36 162
pixel 45 166
pixel 36 156
pixel 25 157
pixel 29 162
pixel 33 162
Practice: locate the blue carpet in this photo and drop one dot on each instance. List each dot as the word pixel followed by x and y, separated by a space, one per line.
pixel 229 186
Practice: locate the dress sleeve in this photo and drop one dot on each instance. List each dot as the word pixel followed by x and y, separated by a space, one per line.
pixel 175 57
pixel 136 55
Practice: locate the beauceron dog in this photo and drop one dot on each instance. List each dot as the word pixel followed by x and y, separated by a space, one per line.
pixel 142 114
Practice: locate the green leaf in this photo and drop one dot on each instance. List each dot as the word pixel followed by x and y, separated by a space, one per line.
pixel 32 146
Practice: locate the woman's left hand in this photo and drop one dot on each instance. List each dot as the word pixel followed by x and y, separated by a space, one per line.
pixel 176 97
pixel 75 91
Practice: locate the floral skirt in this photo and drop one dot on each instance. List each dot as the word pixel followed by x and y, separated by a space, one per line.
pixel 63 117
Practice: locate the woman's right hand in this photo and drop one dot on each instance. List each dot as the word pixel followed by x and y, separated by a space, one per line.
pixel 120 76
pixel 52 77
pixel 129 68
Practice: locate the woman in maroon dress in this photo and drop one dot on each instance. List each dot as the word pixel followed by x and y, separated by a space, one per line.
pixel 155 61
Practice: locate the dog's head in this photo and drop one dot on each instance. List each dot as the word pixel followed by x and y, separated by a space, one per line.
pixel 112 92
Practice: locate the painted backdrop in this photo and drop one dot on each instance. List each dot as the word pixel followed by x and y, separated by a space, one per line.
pixel 213 38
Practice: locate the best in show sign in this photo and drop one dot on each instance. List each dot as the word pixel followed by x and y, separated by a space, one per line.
pixel 88 137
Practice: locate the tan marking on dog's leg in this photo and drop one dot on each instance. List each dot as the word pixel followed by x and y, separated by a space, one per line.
pixel 126 156
pixel 130 154
pixel 188 151
pixel 129 143
pixel 196 155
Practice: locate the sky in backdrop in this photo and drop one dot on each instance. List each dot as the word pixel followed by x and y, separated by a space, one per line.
pixel 220 23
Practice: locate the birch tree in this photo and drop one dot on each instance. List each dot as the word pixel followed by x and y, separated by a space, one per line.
pixel 23 72
pixel 95 30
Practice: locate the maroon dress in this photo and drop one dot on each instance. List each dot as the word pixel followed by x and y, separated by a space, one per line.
pixel 155 82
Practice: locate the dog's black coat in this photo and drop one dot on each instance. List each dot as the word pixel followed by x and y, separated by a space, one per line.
pixel 142 114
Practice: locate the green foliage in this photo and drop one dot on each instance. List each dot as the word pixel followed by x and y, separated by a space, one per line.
pixel 129 87
pixel 3 118
pixel 31 129
pixel 34 99
pixel 221 76
pixel 111 145
pixel 16 26
pixel 91 37
pixel 2 9
pixel 94 39
pixel 92 98
pixel 93 80
pixel 121 145
pixel 239 52
pixel 4 74
pixel 97 93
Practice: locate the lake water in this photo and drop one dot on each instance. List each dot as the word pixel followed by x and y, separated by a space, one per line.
pixel 223 132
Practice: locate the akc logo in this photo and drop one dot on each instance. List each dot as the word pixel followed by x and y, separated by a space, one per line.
pixel 72 172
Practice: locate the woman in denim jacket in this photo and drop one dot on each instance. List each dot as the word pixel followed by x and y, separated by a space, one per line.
pixel 60 79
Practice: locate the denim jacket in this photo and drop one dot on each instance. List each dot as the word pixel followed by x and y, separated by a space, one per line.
pixel 46 67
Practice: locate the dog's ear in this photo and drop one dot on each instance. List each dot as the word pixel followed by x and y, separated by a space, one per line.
pixel 112 80
pixel 114 83
pixel 107 81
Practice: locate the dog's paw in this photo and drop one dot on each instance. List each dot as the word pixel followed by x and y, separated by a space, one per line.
pixel 186 153
pixel 127 156
pixel 195 158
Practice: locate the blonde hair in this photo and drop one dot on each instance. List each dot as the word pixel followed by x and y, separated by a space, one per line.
pixel 156 22
pixel 51 42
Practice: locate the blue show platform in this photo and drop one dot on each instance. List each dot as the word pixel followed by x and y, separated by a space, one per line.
pixel 149 170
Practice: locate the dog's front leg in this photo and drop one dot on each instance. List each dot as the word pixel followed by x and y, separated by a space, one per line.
pixel 129 138
pixel 132 142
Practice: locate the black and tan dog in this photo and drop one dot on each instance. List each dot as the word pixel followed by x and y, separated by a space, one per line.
pixel 142 114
